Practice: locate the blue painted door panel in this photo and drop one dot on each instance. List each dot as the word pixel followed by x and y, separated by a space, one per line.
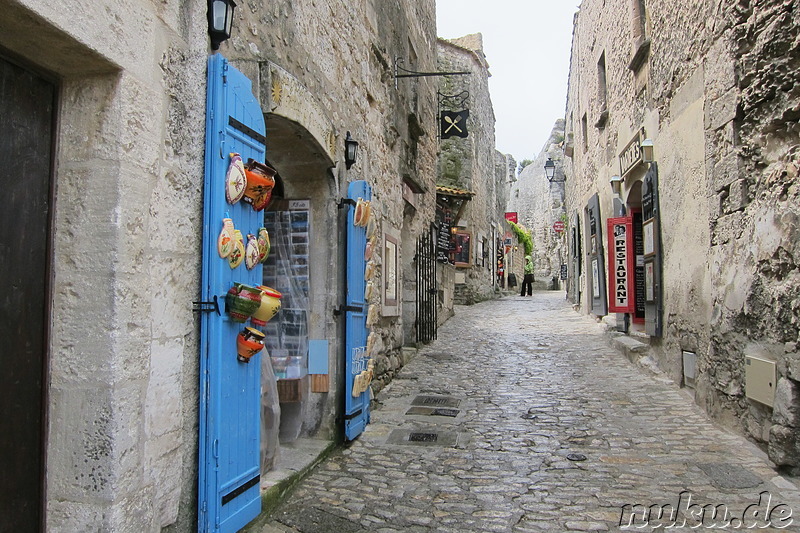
pixel 356 408
pixel 228 484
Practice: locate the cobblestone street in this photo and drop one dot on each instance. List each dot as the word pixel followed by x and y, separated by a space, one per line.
pixel 521 417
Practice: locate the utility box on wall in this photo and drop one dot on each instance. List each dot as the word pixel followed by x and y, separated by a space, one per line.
pixel 760 379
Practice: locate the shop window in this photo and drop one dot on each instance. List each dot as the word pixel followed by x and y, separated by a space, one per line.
pixel 461 248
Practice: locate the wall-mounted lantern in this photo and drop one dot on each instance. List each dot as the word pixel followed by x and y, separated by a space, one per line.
pixel 616 185
pixel 550 172
pixel 647 151
pixel 350 151
pixel 220 21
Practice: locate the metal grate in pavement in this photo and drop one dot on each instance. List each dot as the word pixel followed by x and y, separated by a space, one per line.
pixel 439 401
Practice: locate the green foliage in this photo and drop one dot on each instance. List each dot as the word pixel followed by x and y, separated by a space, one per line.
pixel 524 163
pixel 523 236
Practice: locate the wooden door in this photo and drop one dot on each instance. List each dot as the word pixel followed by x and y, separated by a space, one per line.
pixel 230 390
pixel 27 104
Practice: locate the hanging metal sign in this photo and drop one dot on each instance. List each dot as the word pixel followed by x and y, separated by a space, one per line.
pixel 453 123
pixel 620 264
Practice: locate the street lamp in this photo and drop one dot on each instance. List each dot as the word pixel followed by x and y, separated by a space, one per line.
pixel 220 21
pixel 350 151
pixel 549 169
pixel 616 185
pixel 647 151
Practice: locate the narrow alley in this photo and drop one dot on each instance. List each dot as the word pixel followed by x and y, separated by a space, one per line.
pixel 521 417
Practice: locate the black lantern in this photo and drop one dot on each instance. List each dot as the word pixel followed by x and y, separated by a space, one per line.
pixel 350 151
pixel 550 170
pixel 220 21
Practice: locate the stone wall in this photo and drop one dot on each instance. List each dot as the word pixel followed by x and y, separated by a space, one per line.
pixel 714 86
pixel 123 397
pixel 124 380
pixel 538 204
pixel 469 164
pixel 347 84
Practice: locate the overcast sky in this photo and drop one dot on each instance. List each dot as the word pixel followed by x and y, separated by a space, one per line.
pixel 527 44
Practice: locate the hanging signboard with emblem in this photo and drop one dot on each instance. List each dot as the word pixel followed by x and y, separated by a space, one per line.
pixel 453 115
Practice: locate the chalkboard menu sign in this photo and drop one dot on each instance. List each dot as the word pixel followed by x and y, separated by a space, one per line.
pixel 443 243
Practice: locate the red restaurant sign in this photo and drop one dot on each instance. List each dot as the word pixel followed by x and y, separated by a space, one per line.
pixel 558 226
pixel 620 265
pixel 511 216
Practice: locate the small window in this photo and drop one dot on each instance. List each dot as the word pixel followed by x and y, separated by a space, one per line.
pixel 585 132
pixel 601 82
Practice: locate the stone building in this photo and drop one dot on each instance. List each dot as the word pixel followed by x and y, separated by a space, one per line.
pixel 684 118
pixel 109 133
pixel 469 186
pixel 539 203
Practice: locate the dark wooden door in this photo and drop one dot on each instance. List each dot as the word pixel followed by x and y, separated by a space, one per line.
pixel 26 126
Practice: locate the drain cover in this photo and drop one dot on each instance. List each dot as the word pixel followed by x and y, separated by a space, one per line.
pixel 422 437
pixel 442 401
pixel 576 457
pixel 445 412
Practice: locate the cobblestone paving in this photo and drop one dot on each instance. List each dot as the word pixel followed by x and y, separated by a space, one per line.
pixel 537 389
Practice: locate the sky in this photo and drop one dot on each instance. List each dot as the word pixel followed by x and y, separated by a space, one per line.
pixel 527 44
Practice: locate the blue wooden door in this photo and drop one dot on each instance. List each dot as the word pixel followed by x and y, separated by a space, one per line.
pixel 356 407
pixel 228 485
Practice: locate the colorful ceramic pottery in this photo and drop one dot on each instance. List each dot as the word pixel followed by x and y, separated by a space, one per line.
pixel 359 212
pixel 237 254
pixel 369 270
pixel 225 239
pixel 367 212
pixel 368 251
pixel 269 307
pixel 260 181
pixel 242 301
pixel 263 245
pixel 251 252
pixel 235 180
pixel 247 347
pixel 371 226
pixel 369 289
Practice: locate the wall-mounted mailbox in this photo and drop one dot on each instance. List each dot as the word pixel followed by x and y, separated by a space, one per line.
pixel 760 378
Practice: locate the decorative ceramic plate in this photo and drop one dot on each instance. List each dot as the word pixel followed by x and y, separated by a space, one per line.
pixel 359 213
pixel 251 252
pixel 235 180
pixel 237 255
pixel 225 239
pixel 263 245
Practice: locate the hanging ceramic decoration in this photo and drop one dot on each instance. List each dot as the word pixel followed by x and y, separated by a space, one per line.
pixel 369 270
pixel 359 212
pixel 371 226
pixel 260 181
pixel 368 251
pixel 371 339
pixel 225 239
pixel 369 290
pixel 235 180
pixel 251 252
pixel 241 301
pixel 237 254
pixel 270 305
pixel 263 245
pixel 366 214
pixel 249 342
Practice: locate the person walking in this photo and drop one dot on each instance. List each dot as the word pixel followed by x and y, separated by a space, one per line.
pixel 527 280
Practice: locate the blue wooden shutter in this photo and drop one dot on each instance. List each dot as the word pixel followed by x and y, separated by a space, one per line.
pixel 356 408
pixel 228 485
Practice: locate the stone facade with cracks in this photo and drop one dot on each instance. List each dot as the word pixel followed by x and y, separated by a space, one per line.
pixel 714 85
pixel 469 164
pixel 123 390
